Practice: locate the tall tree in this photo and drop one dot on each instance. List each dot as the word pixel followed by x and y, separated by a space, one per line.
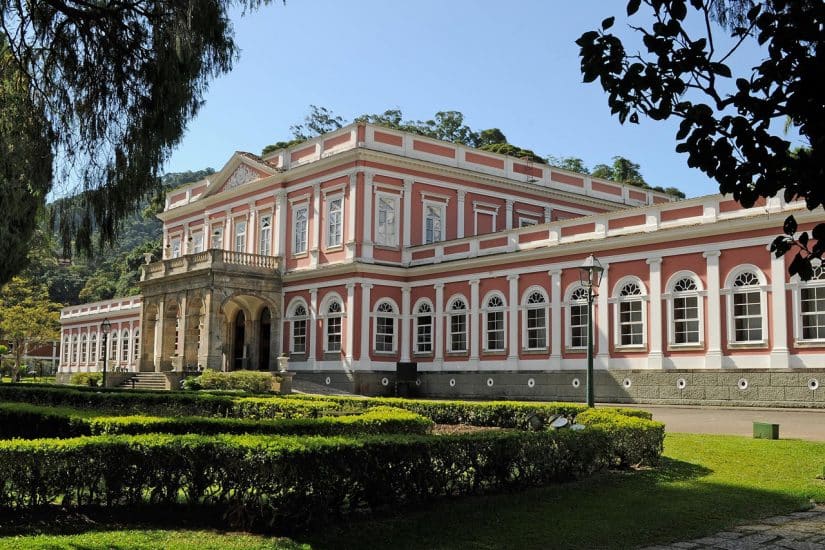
pixel 114 84
pixel 730 126
pixel 27 318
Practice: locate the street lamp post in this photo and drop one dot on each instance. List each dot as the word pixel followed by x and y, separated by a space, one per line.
pixel 105 329
pixel 590 275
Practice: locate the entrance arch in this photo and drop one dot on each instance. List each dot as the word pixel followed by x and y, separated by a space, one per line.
pixel 264 339
pixel 239 341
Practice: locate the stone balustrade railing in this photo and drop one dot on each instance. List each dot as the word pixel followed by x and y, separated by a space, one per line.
pixel 208 259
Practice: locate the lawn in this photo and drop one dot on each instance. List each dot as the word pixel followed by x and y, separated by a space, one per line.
pixel 705 484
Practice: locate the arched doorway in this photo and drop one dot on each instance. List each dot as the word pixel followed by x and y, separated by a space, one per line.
pixel 264 339
pixel 238 347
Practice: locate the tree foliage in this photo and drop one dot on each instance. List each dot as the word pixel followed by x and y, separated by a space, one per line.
pixel 114 84
pixel 27 317
pixel 729 122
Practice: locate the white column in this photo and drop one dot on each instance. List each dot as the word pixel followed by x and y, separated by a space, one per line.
pixel 365 325
pixel 350 323
pixel 603 321
pixel 228 227
pixel 252 229
pixel 555 315
pixel 366 245
pixel 460 211
pixel 473 323
pixel 779 322
pixel 280 224
pixel 508 214
pixel 315 241
pixel 438 335
pixel 513 345
pixel 654 325
pixel 313 327
pixel 351 213
pixel 408 199
pixel 405 324
pixel 713 356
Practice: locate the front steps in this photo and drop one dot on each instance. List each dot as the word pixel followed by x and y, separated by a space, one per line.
pixel 145 381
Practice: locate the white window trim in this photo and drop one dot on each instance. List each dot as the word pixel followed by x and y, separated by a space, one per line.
pixel 568 325
pixel 795 286
pixel 195 236
pixel 325 316
pixel 487 210
pixel 617 301
pixel 236 222
pixel 396 201
pixel 442 209
pixel 728 292
pixel 328 199
pixel 504 310
pixel 175 247
pixel 394 316
pixel 416 316
pixel 671 295
pixel 295 209
pixel 216 233
pixel 292 318
pixel 525 340
pixel 448 314
pixel 262 217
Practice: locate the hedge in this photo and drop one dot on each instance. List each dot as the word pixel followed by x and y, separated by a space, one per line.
pixel 633 440
pixel 244 380
pixel 30 422
pixel 288 481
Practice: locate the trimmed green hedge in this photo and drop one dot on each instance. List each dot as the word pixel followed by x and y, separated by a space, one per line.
pixel 288 481
pixel 30 422
pixel 86 379
pixel 243 380
pixel 633 440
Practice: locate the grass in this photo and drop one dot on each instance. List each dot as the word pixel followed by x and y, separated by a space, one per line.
pixel 705 484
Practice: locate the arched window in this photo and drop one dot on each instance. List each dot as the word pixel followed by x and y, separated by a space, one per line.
pixel 75 349
pixel 93 355
pixel 84 349
pixel 298 318
pixel 577 318
pixel 67 350
pixel 811 308
pixel 424 328
pixel 385 327
pixel 125 343
pixel 685 310
pixel 630 314
pixel 746 307
pixel 136 346
pixel 113 341
pixel 334 314
pixel 494 323
pixel 458 325
pixel 535 320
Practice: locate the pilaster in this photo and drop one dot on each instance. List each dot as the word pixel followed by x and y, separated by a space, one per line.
pixel 713 354
pixel 654 325
pixel 405 324
pixel 513 343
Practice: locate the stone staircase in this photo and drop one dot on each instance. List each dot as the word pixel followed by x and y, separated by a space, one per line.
pixel 145 381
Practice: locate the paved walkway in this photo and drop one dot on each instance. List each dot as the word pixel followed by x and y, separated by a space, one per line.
pixel 793 423
pixel 798 531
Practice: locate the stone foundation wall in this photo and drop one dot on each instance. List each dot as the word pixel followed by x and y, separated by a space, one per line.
pixel 742 387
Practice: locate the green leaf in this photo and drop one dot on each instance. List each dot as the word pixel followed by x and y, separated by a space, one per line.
pixel 608 22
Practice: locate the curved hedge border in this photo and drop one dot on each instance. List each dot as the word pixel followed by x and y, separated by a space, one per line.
pixel 31 421
pixel 268 481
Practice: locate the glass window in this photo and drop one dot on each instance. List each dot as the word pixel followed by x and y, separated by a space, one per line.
pixel 577 320
pixel 136 346
pixel 84 349
pixel 433 223
pixel 747 308
pixel 495 324
pixel 67 350
pixel 812 306
pixel 217 237
pixel 240 236
pixel 265 236
pixel 384 328
pixel 93 355
pixel 300 230
pixel 299 329
pixel 197 242
pixel 458 326
pixel 387 222
pixel 176 248
pixel 113 345
pixel 424 328
pixel 124 346
pixel 631 321
pixel 335 217
pixel 334 314
pixel 686 312
pixel 535 321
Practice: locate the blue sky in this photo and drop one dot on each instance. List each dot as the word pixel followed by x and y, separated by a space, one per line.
pixel 511 65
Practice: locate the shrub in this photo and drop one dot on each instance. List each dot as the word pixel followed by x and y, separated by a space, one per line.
pixel 93 379
pixel 244 380
pixel 632 440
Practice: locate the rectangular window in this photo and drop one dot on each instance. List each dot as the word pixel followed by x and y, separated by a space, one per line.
pixel 495 331
pixel 433 224
pixel 334 334
pixel 686 320
pixel 240 236
pixel 747 316
pixel 630 323
pixel 335 218
pixel 526 222
pixel 384 334
pixel 217 237
pixel 578 325
pixel 299 336
pixel 536 329
pixel 299 229
pixel 265 236
pixel 197 242
pixel 386 232
pixel 176 248
pixel 458 332
pixel 424 334
pixel 813 313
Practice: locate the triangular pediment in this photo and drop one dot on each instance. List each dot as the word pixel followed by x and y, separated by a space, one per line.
pixel 241 170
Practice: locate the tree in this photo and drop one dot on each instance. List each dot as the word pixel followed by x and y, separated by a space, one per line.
pixel 319 121
pixel 729 126
pixel 27 318
pixel 108 88
pixel 574 164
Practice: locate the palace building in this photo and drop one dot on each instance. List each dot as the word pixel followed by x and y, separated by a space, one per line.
pixel 369 248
